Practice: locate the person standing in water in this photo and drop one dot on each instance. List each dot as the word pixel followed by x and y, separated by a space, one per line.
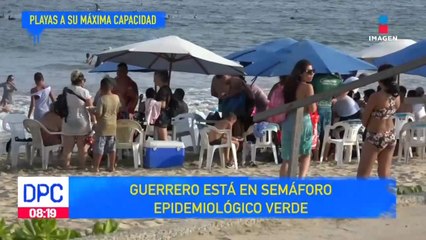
pixel 8 89
pixel 40 96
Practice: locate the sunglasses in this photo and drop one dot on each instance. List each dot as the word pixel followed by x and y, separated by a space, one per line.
pixel 310 71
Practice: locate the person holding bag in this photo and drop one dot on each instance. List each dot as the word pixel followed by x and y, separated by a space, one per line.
pixel 77 125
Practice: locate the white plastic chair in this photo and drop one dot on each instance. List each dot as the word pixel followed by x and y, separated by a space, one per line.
pixel 13 123
pixel 412 134
pixel 149 130
pixel 350 138
pixel 4 137
pixel 35 127
pixel 205 146
pixel 263 142
pixel 186 125
pixel 126 130
pixel 400 120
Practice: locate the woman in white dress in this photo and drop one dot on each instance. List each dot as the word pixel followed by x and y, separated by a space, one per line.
pixel 78 124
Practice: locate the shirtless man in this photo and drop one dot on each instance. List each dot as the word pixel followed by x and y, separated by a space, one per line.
pixel 128 92
pixel 216 138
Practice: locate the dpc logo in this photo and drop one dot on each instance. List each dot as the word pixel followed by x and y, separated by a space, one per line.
pixel 43 197
pixel 383 29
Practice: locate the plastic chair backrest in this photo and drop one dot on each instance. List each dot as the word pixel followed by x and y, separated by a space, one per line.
pixel 126 129
pixel 183 122
pixel 401 119
pixel 351 129
pixel 204 132
pixel 267 137
pixel 413 130
pixel 204 135
pixel 13 123
pixel 34 128
pixel 351 133
pixel 419 129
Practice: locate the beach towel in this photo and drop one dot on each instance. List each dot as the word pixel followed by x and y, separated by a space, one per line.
pixel 277 99
pixel 315 136
pixel 41 103
pixel 152 110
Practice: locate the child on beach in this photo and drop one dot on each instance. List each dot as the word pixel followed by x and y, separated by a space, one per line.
pixel 8 89
pixel 152 107
pixel 106 128
pixel 216 138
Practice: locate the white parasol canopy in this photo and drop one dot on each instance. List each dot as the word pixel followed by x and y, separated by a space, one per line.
pixel 172 53
pixel 384 48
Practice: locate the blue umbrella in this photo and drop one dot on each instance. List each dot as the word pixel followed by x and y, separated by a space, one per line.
pixel 112 67
pixel 260 51
pixel 323 58
pixel 408 54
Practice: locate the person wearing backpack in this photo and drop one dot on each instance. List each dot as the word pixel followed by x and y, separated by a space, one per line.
pixel 77 121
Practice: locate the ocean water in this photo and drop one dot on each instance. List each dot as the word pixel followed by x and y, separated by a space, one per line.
pixel 220 26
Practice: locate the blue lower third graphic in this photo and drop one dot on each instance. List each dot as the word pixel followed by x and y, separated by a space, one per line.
pixel 229 197
pixel 36 22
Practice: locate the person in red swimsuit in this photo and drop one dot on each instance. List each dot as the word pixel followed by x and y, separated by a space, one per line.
pixel 128 92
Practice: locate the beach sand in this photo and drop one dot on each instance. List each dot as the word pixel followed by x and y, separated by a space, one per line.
pixel 413 173
pixel 409 224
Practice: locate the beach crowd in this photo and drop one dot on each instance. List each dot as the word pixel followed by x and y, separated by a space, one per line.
pixel 91 122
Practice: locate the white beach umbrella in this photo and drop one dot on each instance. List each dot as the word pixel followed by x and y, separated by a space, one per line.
pixel 384 48
pixel 171 53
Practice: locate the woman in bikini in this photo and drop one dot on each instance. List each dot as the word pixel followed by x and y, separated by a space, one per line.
pixel 380 129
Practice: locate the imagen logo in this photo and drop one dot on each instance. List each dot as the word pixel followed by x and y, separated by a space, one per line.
pixel 383 24
pixel 383 31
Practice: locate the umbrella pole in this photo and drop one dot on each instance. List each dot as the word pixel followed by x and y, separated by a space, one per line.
pixel 398 78
pixel 253 80
pixel 170 71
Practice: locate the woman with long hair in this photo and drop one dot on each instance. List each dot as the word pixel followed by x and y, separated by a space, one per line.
pixel 298 87
pixel 380 130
